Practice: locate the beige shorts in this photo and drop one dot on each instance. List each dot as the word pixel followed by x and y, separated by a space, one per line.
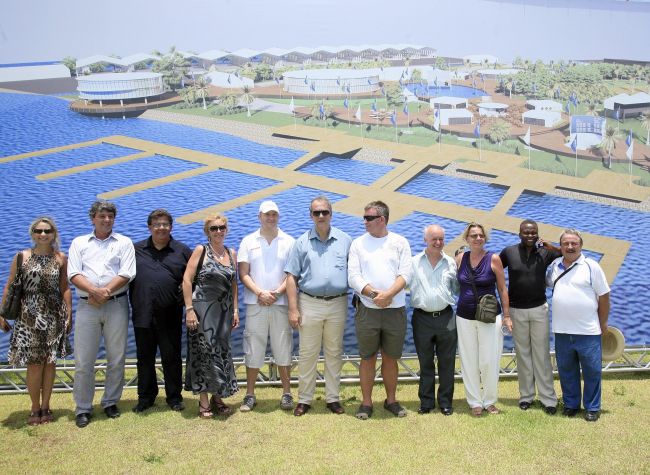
pixel 261 323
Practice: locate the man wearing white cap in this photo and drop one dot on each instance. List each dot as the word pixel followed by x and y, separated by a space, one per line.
pixel 262 256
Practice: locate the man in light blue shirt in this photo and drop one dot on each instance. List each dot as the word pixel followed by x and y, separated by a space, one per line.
pixel 433 290
pixel 317 289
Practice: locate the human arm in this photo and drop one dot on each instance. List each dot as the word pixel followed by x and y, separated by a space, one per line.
pixel 292 297
pixel 64 288
pixel 191 322
pixel 4 325
pixel 264 296
pixel 497 268
pixel 235 295
pixel 385 297
pixel 603 311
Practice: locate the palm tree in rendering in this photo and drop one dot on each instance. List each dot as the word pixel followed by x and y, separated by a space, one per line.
pixel 247 99
pixel 608 143
pixel 591 109
pixel 645 123
pixel 499 132
pixel 201 90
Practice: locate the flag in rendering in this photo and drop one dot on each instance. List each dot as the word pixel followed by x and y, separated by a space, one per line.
pixel 618 114
pixel 306 80
pixel 628 140
pixel 630 151
pixel 237 74
pixel 321 110
pixel 383 91
pixel 574 99
pixel 373 106
pixel 277 80
pixel 369 82
pixel 357 114
pixel 435 81
pixel 393 118
pixel 527 137
pixel 574 144
pixel 346 103
pixel 567 109
pixel 338 81
pixel 406 108
pixel 292 106
pixel 436 120
pixel 313 86
pixel 228 79
pixel 477 130
pixel 348 89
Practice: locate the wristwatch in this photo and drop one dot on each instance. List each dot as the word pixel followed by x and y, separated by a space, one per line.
pixel 372 294
pixel 276 295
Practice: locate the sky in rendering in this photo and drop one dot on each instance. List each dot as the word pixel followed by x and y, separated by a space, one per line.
pixel 45 30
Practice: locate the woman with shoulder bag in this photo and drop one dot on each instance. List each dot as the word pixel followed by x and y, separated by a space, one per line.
pixel 40 333
pixel 480 343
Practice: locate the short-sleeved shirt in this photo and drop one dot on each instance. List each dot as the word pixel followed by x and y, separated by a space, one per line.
pixel 433 288
pixel 527 274
pixel 321 267
pixel 266 262
pixel 378 262
pixel 575 297
pixel 100 260
pixel 159 275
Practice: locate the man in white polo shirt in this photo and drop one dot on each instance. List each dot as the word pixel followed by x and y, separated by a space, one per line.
pixel 580 312
pixel 262 256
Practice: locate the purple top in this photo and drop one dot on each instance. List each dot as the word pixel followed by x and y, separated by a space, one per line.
pixel 484 279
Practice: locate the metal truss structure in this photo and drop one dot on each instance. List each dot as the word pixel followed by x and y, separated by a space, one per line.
pixel 13 380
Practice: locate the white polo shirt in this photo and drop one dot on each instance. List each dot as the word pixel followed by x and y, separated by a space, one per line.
pixel 575 298
pixel 266 262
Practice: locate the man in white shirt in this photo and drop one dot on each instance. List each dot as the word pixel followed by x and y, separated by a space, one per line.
pixel 434 288
pixel 262 256
pixel 580 312
pixel 379 267
pixel 100 265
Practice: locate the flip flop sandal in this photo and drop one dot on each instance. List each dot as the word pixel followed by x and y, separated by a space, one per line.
pixel 477 411
pixel 492 409
pixel 364 412
pixel 34 418
pixel 395 409
pixel 205 412
pixel 221 408
pixel 46 416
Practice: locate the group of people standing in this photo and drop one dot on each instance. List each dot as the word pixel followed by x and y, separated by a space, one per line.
pixel 302 284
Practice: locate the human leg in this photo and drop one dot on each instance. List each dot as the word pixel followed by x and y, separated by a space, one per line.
pixel 145 343
pixel 168 334
pixel 367 370
pixel 116 326
pixel 568 368
pixel 393 333
pixel 490 348
pixel 310 337
pixel 521 334
pixel 256 333
pixel 423 335
pixel 333 330
pixel 590 356
pixel 468 349
pixel 87 332
pixel 281 337
pixel 368 329
pixel 540 345
pixel 34 385
pixel 389 375
pixel 446 341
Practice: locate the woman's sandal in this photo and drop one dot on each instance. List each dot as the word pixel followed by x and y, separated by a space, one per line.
pixel 477 411
pixel 34 418
pixel 492 409
pixel 205 412
pixel 46 416
pixel 220 407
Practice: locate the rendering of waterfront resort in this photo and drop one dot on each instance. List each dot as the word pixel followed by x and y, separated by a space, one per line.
pixel 442 139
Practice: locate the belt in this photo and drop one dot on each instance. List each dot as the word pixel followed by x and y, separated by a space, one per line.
pixel 324 297
pixel 112 297
pixel 435 314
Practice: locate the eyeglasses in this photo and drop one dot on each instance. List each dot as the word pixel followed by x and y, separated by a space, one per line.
pixel 320 212
pixel 476 236
pixel 161 225
pixel 223 227
pixel 43 231
pixel 368 217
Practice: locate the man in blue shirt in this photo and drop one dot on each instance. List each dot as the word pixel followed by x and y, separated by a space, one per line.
pixel 317 288
pixel 434 288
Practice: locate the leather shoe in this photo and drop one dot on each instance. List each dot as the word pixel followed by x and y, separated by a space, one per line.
pixel 567 411
pixel 82 420
pixel 424 410
pixel 301 409
pixel 524 405
pixel 335 407
pixel 550 410
pixel 447 411
pixel 112 412
pixel 592 416
pixel 177 406
pixel 141 406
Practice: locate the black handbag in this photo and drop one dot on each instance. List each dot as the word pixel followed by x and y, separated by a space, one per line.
pixel 11 306
pixel 487 307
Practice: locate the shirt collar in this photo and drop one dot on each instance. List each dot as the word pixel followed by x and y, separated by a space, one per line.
pixel 151 245
pixel 92 236
pixel 313 234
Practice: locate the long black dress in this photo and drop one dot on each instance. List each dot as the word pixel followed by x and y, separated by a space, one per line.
pixel 209 365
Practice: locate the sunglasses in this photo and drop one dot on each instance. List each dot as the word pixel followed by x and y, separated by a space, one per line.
pixel 42 231
pixel 161 225
pixel 320 212
pixel 223 227
pixel 368 217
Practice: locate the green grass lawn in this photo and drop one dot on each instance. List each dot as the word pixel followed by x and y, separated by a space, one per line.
pixel 269 440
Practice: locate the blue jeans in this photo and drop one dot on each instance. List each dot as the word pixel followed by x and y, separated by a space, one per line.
pixel 573 353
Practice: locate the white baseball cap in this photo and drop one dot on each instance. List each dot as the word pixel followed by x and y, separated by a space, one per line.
pixel 269 205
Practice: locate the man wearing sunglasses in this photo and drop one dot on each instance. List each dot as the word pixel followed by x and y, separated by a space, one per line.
pixel 262 256
pixel 379 267
pixel 100 265
pixel 317 289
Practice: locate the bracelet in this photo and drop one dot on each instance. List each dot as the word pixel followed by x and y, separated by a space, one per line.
pixel 187 309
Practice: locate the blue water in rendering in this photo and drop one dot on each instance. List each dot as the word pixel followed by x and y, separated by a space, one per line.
pixel 439 91
pixel 29 123
pixel 454 190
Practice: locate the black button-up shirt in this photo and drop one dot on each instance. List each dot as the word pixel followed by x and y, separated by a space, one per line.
pixel 156 289
pixel 527 274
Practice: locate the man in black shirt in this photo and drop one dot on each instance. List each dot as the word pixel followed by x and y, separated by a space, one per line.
pixel 157 310
pixel 526 263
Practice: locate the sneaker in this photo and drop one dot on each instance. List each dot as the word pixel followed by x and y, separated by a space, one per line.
pixel 248 403
pixel 286 402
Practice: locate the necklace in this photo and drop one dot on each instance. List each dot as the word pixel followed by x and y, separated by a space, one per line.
pixel 218 255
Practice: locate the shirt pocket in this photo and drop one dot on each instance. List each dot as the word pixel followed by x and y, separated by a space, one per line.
pixel 341 260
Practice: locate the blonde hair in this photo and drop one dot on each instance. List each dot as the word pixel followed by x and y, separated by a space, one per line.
pixel 475 225
pixel 213 217
pixel 50 222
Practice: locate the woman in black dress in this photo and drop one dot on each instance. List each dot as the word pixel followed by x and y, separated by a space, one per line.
pixel 211 314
